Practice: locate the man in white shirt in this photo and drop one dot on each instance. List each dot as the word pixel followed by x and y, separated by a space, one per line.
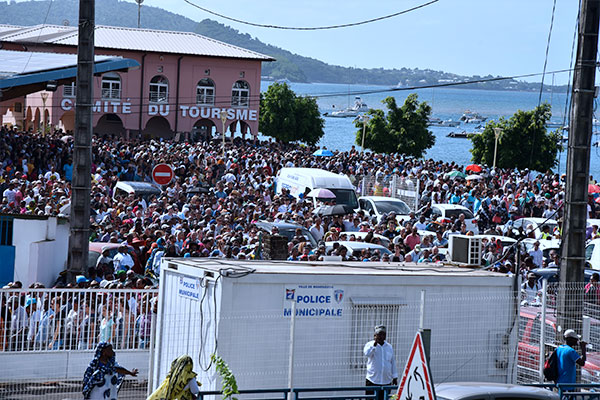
pixel 123 260
pixel 381 363
pixel 317 229
pixel 537 254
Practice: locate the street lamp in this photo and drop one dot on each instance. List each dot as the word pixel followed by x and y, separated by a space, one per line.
pixel 365 119
pixel 223 120
pixel 44 98
pixel 497 133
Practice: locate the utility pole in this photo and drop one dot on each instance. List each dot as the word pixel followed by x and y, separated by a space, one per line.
pixel 139 3
pixel 570 296
pixel 82 148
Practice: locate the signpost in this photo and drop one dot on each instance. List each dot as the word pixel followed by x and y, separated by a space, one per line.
pixel 416 383
pixel 162 174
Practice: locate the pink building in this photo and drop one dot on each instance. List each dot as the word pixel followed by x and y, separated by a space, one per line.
pixel 185 84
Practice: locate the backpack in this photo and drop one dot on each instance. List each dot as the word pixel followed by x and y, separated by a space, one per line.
pixel 551 367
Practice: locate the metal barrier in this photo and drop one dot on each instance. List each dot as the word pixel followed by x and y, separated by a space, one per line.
pixel 46 320
pixel 298 393
pixel 573 395
pixel 405 189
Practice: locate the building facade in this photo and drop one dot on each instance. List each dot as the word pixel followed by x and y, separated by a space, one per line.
pixel 186 84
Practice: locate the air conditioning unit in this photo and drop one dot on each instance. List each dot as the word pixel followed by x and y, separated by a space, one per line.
pixel 465 250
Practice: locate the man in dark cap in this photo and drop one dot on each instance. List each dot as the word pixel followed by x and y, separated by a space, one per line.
pixel 381 362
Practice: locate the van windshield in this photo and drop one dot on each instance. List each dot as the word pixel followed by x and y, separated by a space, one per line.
pixel 346 197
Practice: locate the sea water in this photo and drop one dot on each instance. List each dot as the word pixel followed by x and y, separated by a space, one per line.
pixel 446 103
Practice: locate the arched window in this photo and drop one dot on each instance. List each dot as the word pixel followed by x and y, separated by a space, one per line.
pixel 240 94
pixel 159 89
pixel 205 92
pixel 111 86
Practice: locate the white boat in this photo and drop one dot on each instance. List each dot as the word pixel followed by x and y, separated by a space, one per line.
pixel 351 112
pixel 471 117
pixel 448 122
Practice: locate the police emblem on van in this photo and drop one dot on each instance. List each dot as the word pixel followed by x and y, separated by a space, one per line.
pixel 338 295
pixel 289 294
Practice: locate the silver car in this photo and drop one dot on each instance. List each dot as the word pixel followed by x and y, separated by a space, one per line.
pixel 490 391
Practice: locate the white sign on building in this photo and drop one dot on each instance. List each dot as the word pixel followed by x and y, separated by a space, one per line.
pixel 313 301
pixel 189 287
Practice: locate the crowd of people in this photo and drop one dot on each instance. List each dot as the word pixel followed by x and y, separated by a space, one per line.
pixel 36 319
pixel 211 207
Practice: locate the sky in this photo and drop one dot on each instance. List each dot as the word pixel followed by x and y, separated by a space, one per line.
pixel 467 37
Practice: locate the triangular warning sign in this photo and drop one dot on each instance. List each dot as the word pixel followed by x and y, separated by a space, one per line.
pixel 416 383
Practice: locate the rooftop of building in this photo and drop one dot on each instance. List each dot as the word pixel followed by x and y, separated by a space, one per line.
pixel 133 39
pixel 332 268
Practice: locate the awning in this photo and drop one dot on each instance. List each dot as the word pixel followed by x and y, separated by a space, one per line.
pixel 24 72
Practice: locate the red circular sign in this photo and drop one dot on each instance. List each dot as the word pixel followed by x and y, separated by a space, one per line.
pixel 162 174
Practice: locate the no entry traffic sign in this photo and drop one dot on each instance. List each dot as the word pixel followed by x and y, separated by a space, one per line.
pixel 162 174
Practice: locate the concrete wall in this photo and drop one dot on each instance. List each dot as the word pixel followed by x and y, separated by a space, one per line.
pixel 33 366
pixel 41 248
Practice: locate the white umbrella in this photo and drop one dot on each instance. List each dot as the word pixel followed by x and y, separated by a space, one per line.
pixel 321 193
pixel 473 177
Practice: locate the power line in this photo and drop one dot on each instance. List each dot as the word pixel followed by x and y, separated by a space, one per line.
pixel 437 85
pixel 547 50
pixel 314 28
pixel 255 99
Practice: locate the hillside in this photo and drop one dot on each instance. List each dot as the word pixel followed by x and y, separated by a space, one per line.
pixel 292 66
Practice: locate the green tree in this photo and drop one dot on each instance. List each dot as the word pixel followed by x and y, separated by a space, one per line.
pixel 290 118
pixel 403 130
pixel 523 143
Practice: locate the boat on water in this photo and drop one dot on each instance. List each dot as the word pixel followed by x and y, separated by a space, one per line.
pixel 351 112
pixel 448 122
pixel 470 117
pixel 462 135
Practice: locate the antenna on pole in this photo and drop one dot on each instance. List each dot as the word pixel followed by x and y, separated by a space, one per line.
pixel 139 2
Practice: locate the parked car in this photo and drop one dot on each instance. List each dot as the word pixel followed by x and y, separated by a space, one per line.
pixel 490 391
pixel 536 223
pixel 286 229
pixel 592 253
pixel 143 189
pixel 355 248
pixel 529 345
pixel 445 213
pixel 95 251
pixel 546 245
pixel 360 236
pixel 377 206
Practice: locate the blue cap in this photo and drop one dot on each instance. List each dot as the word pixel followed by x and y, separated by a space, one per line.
pixel 81 279
pixel 30 301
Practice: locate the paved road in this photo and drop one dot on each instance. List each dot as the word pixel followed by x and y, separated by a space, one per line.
pixel 130 390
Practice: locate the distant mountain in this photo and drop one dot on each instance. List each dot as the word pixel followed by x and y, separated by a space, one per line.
pixel 291 66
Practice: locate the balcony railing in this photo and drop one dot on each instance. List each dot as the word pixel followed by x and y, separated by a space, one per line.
pixel 111 94
pixel 205 99
pixel 158 97
pixel 240 101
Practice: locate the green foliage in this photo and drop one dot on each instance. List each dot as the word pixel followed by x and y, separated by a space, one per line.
pixel 288 65
pixel 523 143
pixel 229 387
pixel 402 130
pixel 289 118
